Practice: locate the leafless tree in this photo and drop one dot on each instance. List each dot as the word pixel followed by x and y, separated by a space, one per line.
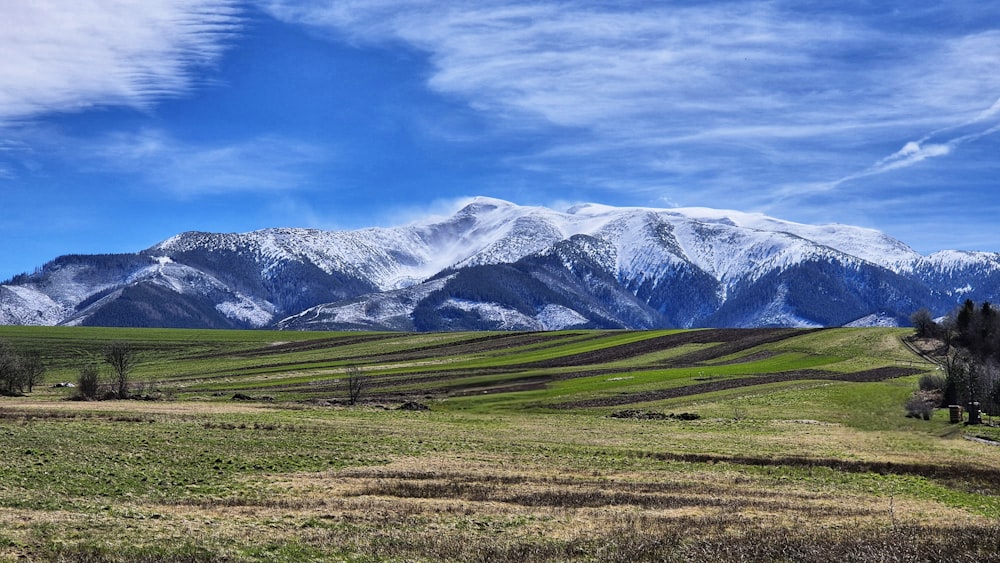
pixel 924 323
pixel 33 369
pixel 355 384
pixel 121 357
pixel 11 374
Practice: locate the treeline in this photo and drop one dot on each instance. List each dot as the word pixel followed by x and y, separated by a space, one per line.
pixel 971 341
pixel 19 373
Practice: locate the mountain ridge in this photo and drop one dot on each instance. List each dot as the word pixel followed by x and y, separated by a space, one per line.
pixel 497 265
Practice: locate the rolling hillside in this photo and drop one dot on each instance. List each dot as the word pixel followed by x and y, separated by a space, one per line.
pixel 520 370
pixel 764 444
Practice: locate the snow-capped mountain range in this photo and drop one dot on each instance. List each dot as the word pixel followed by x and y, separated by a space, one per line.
pixel 497 265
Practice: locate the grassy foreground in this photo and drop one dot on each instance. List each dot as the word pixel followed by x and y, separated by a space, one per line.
pixel 800 451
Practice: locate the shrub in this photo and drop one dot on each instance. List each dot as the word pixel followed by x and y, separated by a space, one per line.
pixel 88 384
pixel 921 404
pixel 933 382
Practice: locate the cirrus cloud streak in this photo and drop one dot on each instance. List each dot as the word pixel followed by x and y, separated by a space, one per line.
pixel 70 56
pixel 750 85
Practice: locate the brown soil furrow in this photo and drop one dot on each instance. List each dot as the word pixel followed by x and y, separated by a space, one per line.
pixel 475 345
pixel 963 476
pixel 301 346
pixel 744 340
pixel 878 374
pixel 478 345
pixel 731 341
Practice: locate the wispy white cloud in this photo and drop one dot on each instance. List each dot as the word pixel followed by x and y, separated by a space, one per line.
pixel 911 153
pixel 63 56
pixel 577 66
pixel 187 170
pixel 939 143
pixel 705 86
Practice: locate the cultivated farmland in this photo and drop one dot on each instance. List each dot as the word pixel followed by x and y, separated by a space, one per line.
pixel 576 445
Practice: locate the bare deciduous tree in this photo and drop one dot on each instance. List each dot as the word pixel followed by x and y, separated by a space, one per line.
pixel 924 323
pixel 11 374
pixel 355 384
pixel 19 372
pixel 33 369
pixel 122 359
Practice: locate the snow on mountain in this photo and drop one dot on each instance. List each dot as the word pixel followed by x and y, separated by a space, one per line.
pixel 387 310
pixel 726 244
pixel 733 254
pixel 957 260
pixel 866 244
pixel 591 265
pixel 380 255
pixel 24 305
pixel 874 319
pixel 778 313
pixel 551 317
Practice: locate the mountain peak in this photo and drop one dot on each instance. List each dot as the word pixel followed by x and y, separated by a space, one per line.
pixel 496 264
pixel 482 203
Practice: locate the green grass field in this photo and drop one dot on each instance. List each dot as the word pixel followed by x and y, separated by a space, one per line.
pixel 800 450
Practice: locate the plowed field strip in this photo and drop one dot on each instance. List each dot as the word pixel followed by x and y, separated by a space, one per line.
pixel 878 374
pixel 292 347
pixel 478 345
pixel 732 341
pixel 743 340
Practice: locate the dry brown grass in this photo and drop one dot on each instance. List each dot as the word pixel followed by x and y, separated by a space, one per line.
pixel 193 408
pixel 483 508
pixel 532 488
pixel 491 507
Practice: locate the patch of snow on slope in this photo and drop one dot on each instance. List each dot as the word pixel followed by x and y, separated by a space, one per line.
pixel 161 265
pixel 184 279
pixel 525 235
pixel 778 313
pixel 24 305
pixel 505 318
pixel 245 310
pixel 557 317
pixel 385 309
pixel 967 288
pixel 67 286
pixel 873 320
pixel 645 246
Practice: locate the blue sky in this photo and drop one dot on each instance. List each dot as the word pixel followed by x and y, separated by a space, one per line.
pixel 123 123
